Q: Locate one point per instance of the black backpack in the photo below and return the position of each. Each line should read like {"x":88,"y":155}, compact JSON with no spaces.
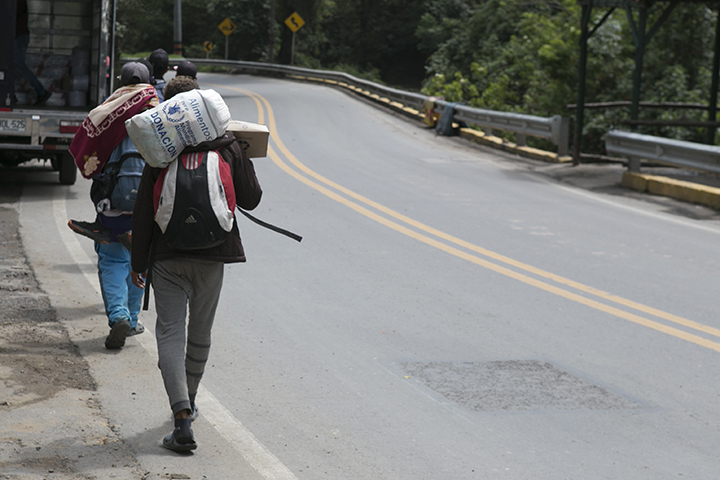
{"x":195,"y":201}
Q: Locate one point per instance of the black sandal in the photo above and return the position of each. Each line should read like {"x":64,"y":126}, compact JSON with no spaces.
{"x":181,"y":439}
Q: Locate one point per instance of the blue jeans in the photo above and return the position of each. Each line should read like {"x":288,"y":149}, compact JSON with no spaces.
{"x":21,"y":45}
{"x":122,"y":299}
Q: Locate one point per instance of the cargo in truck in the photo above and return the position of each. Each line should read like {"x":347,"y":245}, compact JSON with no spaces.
{"x":71,"y":54}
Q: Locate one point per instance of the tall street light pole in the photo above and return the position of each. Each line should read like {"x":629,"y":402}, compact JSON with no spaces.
{"x":177,"y":30}
{"x":271,"y":49}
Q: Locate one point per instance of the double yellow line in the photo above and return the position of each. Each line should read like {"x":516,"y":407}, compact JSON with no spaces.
{"x":356,"y":202}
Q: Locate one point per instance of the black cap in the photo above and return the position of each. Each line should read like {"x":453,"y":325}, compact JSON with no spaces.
{"x":187,"y":69}
{"x":159,"y":60}
{"x":133,"y":73}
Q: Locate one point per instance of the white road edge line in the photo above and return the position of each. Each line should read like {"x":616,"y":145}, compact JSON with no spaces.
{"x":668,"y":217}
{"x":229,"y":427}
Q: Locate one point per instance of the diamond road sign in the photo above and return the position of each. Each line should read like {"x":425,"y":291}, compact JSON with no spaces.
{"x":294,"y":22}
{"x":227,"y":27}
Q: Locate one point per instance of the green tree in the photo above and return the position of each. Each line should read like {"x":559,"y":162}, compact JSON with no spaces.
{"x":374,"y":35}
{"x":144,"y":25}
{"x":309,"y":11}
{"x":141,"y":26}
{"x":508,"y":55}
{"x":523,"y":56}
{"x":251,"y":38}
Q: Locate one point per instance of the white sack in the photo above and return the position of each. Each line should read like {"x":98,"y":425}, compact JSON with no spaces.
{"x":187,"y":119}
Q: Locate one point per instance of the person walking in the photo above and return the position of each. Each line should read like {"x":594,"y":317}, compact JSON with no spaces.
{"x":187,"y":283}
{"x":186,"y":69}
{"x":122,"y":299}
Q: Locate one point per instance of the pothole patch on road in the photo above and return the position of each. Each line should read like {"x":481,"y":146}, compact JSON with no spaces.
{"x":514,"y":385}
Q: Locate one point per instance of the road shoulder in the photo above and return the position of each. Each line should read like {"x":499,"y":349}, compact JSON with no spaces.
{"x":51,"y":419}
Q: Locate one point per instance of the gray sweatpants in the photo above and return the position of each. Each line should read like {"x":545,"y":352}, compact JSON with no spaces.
{"x":177,"y":284}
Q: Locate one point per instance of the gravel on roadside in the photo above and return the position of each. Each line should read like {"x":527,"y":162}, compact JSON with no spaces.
{"x":51,"y":421}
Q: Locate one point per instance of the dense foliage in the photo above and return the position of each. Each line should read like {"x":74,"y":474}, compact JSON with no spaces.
{"x":508,"y":55}
{"x":522,"y":56}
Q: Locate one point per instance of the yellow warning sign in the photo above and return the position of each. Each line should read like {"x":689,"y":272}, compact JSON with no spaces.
{"x":227,"y":26}
{"x":294,"y":22}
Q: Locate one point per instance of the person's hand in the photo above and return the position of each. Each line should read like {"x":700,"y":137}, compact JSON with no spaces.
{"x":138,"y":279}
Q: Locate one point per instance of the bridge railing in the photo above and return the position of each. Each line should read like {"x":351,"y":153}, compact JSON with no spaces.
{"x":665,"y":151}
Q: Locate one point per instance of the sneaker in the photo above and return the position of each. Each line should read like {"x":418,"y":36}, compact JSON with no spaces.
{"x":43,"y":98}
{"x":117,"y":336}
{"x":181,"y":439}
{"x":125,"y":240}
{"x":95,"y":231}
{"x":136,"y":330}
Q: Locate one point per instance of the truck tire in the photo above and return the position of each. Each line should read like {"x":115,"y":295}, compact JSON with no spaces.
{"x":68,"y":170}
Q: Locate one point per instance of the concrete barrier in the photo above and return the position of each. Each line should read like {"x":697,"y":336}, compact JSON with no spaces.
{"x":670,"y":187}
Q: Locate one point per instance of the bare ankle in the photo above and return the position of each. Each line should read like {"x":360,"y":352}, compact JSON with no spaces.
{"x":182,"y":414}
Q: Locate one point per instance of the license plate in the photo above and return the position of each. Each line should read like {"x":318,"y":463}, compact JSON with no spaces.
{"x":12,"y":124}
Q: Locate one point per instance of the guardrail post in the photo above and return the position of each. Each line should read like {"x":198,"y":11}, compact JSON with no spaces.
{"x":676,"y":153}
{"x":520,"y":139}
{"x":488,"y":131}
{"x":633,"y":164}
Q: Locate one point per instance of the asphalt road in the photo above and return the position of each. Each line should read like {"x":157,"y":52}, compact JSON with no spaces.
{"x":449,"y":314}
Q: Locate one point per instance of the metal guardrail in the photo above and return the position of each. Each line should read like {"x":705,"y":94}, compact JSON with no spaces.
{"x":555,"y":129}
{"x":676,"y":153}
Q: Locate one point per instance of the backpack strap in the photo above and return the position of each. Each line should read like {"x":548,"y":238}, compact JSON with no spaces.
{"x":279,"y":230}
{"x":151,"y":261}
{"x":282,"y":231}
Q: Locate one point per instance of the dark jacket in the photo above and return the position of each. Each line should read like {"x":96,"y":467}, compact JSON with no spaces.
{"x":247,"y":196}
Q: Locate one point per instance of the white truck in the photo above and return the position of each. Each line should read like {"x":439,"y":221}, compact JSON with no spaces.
{"x":71,"y":52}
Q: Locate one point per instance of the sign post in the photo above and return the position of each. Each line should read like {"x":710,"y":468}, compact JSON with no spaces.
{"x":227,"y":27}
{"x":294,"y":22}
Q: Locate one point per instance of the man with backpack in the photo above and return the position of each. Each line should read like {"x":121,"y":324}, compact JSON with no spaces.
{"x":188,"y":280}
{"x":114,"y":188}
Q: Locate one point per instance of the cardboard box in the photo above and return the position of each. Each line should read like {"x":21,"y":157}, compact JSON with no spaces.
{"x":252,"y":136}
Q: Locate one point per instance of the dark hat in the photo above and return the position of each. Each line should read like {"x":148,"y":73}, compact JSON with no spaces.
{"x":159,"y":60}
{"x":187,"y":69}
{"x":134,"y":72}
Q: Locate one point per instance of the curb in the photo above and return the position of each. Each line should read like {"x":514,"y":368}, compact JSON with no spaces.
{"x":497,"y":142}
{"x":669,"y":187}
